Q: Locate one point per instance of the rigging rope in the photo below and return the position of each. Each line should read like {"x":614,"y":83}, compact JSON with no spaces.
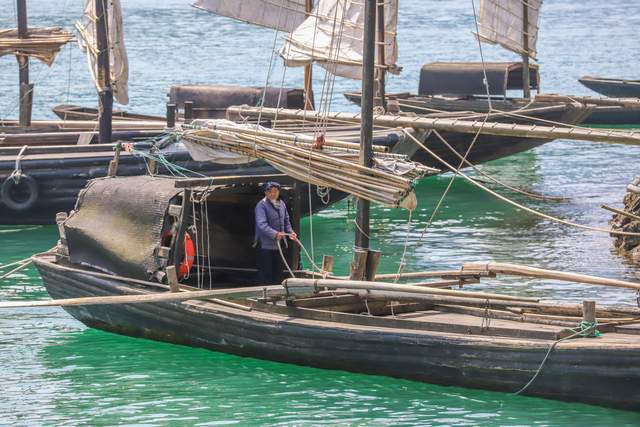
{"x":516,"y":204}
{"x":455,"y":171}
{"x":495,"y":180}
{"x":585,"y":328}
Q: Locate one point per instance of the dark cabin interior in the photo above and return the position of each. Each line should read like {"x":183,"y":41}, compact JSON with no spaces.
{"x":220,"y":222}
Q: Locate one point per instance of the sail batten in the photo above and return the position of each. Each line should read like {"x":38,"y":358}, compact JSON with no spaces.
{"x":332,"y":37}
{"x":282,"y":15}
{"x":119,"y":62}
{"x":501,"y":22}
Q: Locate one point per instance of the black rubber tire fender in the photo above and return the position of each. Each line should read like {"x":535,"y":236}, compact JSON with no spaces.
{"x":7,"y":198}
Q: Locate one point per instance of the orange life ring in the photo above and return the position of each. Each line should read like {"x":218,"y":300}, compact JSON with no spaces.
{"x":189,"y":257}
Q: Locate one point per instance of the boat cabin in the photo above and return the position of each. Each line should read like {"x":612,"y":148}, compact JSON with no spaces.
{"x":465,"y":79}
{"x":212,"y":101}
{"x":139,"y":226}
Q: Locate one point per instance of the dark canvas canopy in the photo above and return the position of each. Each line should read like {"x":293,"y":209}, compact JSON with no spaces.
{"x":465,"y":78}
{"x":212,"y":101}
{"x":117,"y":224}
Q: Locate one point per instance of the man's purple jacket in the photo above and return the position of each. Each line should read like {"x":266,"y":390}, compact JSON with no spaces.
{"x":270,"y":220}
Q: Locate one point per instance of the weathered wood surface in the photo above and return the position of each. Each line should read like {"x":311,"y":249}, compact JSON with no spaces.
{"x":603,"y":370}
{"x":526,"y":271}
{"x":291,"y":284}
{"x":124,"y":299}
{"x":620,"y":212}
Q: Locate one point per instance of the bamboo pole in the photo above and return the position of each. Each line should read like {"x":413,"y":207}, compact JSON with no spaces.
{"x":290,"y":136}
{"x":457,"y":125}
{"x":521,"y":270}
{"x":381,"y":286}
{"x":15,"y":270}
{"x":120,"y":299}
{"x":620,"y":212}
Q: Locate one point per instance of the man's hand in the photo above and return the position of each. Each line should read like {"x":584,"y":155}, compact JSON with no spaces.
{"x":279,"y":235}
{"x":293,"y":236}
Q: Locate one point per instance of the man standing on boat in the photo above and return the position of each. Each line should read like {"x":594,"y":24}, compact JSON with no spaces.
{"x":272,"y":228}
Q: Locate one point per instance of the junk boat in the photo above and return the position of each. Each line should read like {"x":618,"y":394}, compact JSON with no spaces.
{"x":456,"y":89}
{"x":615,"y":88}
{"x":116,"y":266}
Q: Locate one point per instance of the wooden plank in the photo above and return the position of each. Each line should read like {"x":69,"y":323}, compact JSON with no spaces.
{"x":172,"y":278}
{"x":358,"y":265}
{"x":398,"y":323}
{"x":620,"y":212}
{"x":327,"y":263}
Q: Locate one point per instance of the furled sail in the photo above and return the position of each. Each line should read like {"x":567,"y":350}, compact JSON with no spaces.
{"x":332,"y":36}
{"x":283,"y":15}
{"x":40,"y":43}
{"x":501,"y":22}
{"x":117,"y":51}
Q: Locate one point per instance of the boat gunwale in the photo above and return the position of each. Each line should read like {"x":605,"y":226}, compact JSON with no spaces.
{"x":359,"y":323}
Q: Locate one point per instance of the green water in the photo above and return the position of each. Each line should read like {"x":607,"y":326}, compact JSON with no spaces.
{"x":54,"y":371}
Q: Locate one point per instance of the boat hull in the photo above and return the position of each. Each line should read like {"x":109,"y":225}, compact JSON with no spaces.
{"x":590,"y":373}
{"x":613,"y":88}
{"x":486,"y":147}
{"x":597,"y":115}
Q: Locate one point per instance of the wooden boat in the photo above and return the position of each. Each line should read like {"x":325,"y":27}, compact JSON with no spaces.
{"x":458,"y":88}
{"x":506,"y":110}
{"x":76,"y":112}
{"x":204,"y":102}
{"x":423,"y":332}
{"x":616,"y":88}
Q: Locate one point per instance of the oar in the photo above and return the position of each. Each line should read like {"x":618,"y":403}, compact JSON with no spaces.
{"x":526,"y":271}
{"x":137,"y":299}
{"x":25,"y":264}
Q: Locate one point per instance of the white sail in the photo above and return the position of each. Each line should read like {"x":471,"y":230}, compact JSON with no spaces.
{"x":283,"y":15}
{"x":117,"y":50}
{"x":332,"y":36}
{"x":501,"y":22}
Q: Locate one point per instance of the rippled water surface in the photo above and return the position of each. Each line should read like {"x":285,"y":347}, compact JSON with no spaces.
{"x":56,"y":371}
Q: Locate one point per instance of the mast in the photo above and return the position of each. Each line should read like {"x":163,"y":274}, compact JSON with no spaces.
{"x":366,"y":112}
{"x":381,"y":56}
{"x":526,"y":89}
{"x":103,"y":72}
{"x":308,"y":69}
{"x":23,"y":64}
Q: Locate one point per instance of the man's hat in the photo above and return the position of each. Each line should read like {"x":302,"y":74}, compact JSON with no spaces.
{"x":269,"y":185}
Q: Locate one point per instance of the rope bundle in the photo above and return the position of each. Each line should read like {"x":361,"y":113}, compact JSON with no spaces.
{"x":40,"y":43}
{"x":389,"y":182}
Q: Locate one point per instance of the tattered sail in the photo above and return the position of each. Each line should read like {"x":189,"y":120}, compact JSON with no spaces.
{"x":283,"y":15}
{"x":117,"y":50}
{"x":501,"y":22}
{"x":40,"y":43}
{"x":332,"y":36}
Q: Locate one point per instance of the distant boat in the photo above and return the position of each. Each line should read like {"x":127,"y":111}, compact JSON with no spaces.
{"x":617,"y":88}
{"x":76,"y":112}
{"x":457,"y":87}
